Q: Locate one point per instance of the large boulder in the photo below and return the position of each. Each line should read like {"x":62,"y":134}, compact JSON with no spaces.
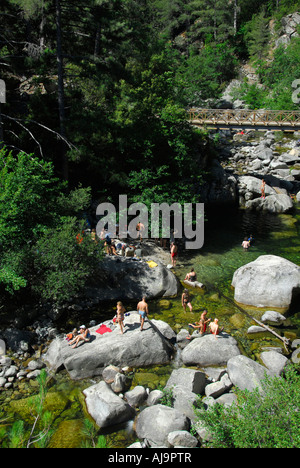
{"x":123,"y":279}
{"x":156,"y":422}
{"x":210,"y":351}
{"x":190,"y":379}
{"x":245,"y":373}
{"x":269,"y":281}
{"x":274,"y":361}
{"x":134,"y":348}
{"x":253,"y":185}
{"x":276,"y":203}
{"x":105,"y":407}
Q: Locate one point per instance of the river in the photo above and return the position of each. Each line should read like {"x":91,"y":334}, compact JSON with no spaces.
{"x":214,"y":264}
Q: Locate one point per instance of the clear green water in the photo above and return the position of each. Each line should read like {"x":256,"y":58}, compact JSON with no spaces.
{"x":215,"y":264}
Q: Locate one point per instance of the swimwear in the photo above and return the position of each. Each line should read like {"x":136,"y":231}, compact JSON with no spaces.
{"x":142,"y":313}
{"x":174,"y":254}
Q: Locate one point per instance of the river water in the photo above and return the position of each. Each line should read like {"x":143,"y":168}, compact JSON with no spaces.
{"x":214,"y":264}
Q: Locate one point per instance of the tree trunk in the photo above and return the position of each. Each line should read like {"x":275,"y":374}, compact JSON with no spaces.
{"x":61,"y":94}
{"x":1,"y":130}
{"x":235,"y":16}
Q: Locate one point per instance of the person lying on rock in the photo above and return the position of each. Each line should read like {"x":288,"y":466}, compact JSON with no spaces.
{"x":83,"y":336}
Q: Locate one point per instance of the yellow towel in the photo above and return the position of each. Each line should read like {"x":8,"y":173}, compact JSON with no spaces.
{"x":151,"y":264}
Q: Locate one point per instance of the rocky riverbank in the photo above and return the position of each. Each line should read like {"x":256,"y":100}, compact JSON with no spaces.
{"x":243,"y":160}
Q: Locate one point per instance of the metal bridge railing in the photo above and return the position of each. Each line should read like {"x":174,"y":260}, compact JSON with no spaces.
{"x":243,"y":117}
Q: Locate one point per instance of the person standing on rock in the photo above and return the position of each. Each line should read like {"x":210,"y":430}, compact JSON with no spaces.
{"x":262,"y":188}
{"x":142,"y":309}
{"x":120,"y":316}
{"x":174,"y":253}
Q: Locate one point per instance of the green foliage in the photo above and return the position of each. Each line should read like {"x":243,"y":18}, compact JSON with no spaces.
{"x":257,"y":35}
{"x":38,"y":229}
{"x":259,"y":419}
{"x":167,"y":398}
{"x":206,"y":73}
{"x":90,"y":434}
{"x":62,"y":265}
{"x":19,"y":435}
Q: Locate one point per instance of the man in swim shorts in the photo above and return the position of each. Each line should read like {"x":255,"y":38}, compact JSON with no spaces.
{"x":174,"y":253}
{"x":142,"y":309}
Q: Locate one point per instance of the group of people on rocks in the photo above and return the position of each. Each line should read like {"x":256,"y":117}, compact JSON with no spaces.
{"x":201,"y":326}
{"x":142,"y":309}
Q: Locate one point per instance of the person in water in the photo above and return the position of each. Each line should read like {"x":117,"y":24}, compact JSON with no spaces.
{"x":142,"y":309}
{"x":83,"y":336}
{"x":186,"y":300}
{"x":246,"y":243}
{"x":191,"y":276}
{"x":120,"y":316}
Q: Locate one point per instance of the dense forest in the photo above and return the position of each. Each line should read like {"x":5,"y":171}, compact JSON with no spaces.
{"x":96,"y":100}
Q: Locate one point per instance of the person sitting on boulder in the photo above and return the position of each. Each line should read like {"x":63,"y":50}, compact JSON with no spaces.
{"x":214,"y":327}
{"x":191,"y":276}
{"x":83,"y":336}
{"x":201,"y":325}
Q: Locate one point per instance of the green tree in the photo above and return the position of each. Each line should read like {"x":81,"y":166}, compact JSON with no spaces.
{"x":39,"y":221}
{"x":257,"y":35}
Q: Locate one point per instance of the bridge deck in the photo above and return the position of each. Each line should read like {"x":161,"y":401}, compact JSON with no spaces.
{"x":245,"y":119}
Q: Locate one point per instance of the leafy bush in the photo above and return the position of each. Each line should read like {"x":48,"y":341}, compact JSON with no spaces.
{"x":267,"y":419}
{"x":39,"y":222}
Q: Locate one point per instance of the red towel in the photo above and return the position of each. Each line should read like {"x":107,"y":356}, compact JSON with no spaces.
{"x":103,"y":329}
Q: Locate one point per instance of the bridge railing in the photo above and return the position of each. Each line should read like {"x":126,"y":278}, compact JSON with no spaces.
{"x":244,"y":117}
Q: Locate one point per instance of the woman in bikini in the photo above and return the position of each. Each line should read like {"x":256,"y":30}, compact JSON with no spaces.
{"x":120,"y":316}
{"x":83,"y":336}
{"x":186,"y":300}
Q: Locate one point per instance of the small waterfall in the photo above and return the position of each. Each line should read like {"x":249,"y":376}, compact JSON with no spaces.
{"x":177,"y":362}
